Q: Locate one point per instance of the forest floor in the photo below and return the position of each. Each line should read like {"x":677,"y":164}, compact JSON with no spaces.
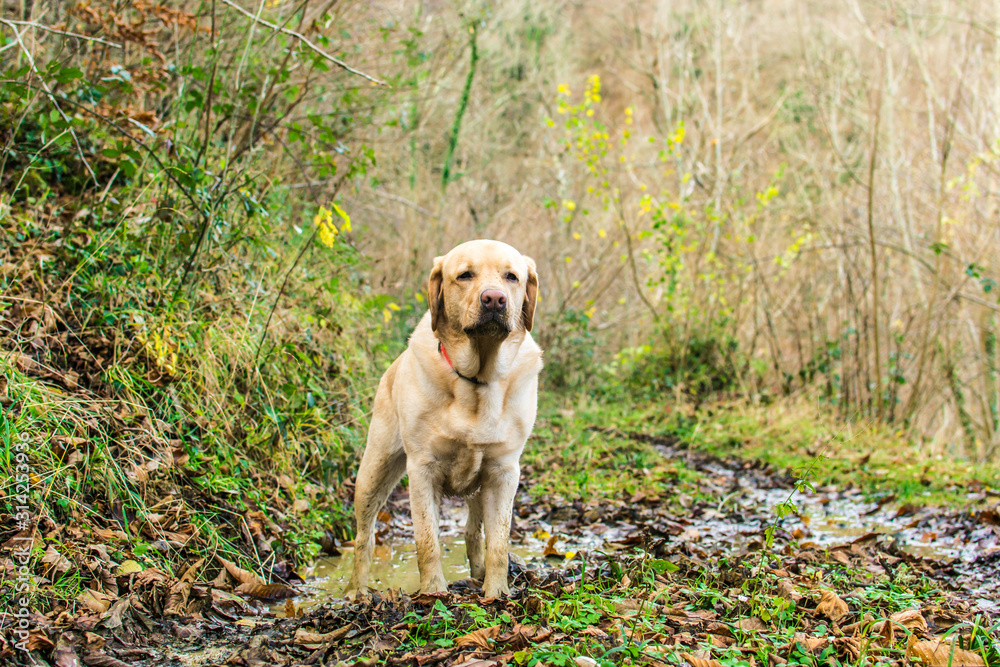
{"x":630,"y":547}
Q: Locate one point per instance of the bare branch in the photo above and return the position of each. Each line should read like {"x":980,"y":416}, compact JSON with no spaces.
{"x":305,"y":40}
{"x":11,"y":23}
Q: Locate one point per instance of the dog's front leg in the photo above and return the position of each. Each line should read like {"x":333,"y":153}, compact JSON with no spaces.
{"x":425,"y":500}
{"x":498,"y":505}
{"x":474,"y":536}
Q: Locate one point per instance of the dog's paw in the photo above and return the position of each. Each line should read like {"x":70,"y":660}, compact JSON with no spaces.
{"x":496,"y":590}
{"x":353,"y":593}
{"x":436,"y":585}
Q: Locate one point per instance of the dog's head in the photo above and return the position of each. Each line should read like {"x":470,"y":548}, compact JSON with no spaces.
{"x":483,"y":288}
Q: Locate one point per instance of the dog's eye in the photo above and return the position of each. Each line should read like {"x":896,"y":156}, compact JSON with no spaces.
{"x":465,"y":276}
{"x":511,"y":278}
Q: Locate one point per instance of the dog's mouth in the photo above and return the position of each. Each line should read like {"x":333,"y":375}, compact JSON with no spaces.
{"x":491,"y":324}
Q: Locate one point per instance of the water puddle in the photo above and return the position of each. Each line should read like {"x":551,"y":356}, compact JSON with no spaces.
{"x":746,"y":506}
{"x":394,"y":564}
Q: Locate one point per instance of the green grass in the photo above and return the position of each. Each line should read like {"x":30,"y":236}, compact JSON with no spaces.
{"x":796,"y":436}
{"x":630,"y":609}
{"x":579,"y":451}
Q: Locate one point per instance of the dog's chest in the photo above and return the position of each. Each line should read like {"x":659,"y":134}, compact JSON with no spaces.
{"x":484,"y":424}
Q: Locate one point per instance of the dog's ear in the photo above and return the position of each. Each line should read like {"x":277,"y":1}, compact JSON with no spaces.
{"x":530,"y":296}
{"x":435,"y":294}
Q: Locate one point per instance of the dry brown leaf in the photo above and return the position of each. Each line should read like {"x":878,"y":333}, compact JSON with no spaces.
{"x":831,"y":606}
{"x":911,"y":619}
{"x":786,"y":589}
{"x":941,"y":653}
{"x":313,"y":640}
{"x":267,"y":592}
{"x":192,"y":572}
{"x":479,"y":638}
{"x":64,"y":655}
{"x":112,"y":618}
{"x":59,"y":563}
{"x":102,"y":659}
{"x":95,"y":601}
{"x":239,"y":574}
{"x":812,"y":644}
{"x":700,"y":662}
{"x":751,"y":624}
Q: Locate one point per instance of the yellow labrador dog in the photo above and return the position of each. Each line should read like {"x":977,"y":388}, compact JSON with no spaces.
{"x":453,"y":412}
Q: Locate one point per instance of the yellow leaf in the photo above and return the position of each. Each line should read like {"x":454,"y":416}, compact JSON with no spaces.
{"x":386,"y":315}
{"x":346,"y":227}
{"x":392,"y":306}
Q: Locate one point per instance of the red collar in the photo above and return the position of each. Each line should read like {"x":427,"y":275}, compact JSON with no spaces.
{"x":444,"y":354}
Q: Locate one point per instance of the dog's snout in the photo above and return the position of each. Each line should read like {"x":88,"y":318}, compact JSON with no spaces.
{"x":493,"y":299}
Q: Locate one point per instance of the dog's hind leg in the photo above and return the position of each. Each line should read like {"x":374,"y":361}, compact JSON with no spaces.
{"x":382,"y":466}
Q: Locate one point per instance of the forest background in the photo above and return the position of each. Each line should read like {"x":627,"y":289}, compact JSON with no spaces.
{"x":218,"y":218}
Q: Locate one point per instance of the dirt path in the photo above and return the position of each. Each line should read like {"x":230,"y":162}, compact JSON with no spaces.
{"x":610,"y":579}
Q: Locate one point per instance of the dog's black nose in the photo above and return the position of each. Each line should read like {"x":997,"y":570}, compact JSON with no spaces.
{"x":493,"y":299}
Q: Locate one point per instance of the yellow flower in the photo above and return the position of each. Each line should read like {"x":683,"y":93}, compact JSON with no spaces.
{"x":392,"y":306}
{"x":327,"y":232}
{"x":576,"y":235}
{"x":601,"y":233}
{"x":568,"y":259}
{"x":569,"y":204}
{"x":563,"y":89}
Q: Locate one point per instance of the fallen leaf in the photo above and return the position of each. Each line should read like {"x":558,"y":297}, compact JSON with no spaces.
{"x":911,"y":619}
{"x":941,"y":653}
{"x":751,"y":624}
{"x":700,"y":662}
{"x":59,"y":563}
{"x":95,"y":601}
{"x":128,"y":567}
{"x":831,"y":606}
{"x":239,"y":574}
{"x":479,"y":638}
{"x":313,"y":640}
{"x":64,"y":654}
{"x":812,"y":644}
{"x":268,"y":592}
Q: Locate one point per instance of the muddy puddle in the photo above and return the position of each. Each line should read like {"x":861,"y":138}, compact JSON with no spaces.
{"x":395,"y":559}
{"x":744,"y":509}
{"x":741,"y":507}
